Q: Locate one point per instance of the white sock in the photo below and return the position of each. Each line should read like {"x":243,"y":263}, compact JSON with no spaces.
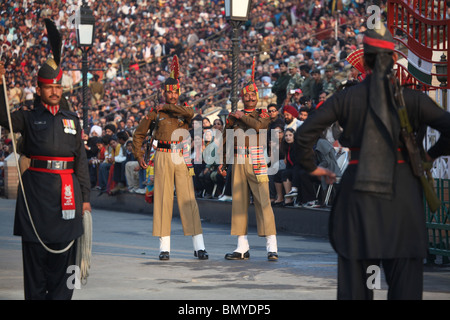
{"x":271,"y":243}
{"x":243,"y":245}
{"x":164,"y":244}
{"x":198,"y":243}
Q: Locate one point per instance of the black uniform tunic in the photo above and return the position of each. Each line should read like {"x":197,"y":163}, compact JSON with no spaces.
{"x":44,"y":136}
{"x":364,"y":226}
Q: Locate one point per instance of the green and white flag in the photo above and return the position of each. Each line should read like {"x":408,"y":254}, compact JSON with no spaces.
{"x":419,"y":68}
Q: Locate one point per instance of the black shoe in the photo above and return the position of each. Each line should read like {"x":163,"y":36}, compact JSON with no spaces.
{"x":201,"y":254}
{"x":237,"y":256}
{"x":289,"y":204}
{"x":272,"y":256}
{"x":277,"y":204}
{"x":164,"y":255}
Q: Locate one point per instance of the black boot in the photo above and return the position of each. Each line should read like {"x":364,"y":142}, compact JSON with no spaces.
{"x":237,"y":256}
{"x":201,"y":254}
{"x":164,"y":255}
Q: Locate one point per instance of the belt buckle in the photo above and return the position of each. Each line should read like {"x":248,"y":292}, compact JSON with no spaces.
{"x":55,"y":164}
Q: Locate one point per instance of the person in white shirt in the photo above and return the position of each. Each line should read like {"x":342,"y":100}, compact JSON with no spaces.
{"x":117,"y":143}
{"x":29,"y":92}
{"x":67,"y":81}
{"x":111,"y":72}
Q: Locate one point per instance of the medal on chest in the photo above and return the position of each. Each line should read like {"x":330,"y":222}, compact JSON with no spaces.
{"x":69,"y":126}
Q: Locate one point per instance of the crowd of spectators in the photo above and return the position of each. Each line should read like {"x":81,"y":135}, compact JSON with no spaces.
{"x":298,"y":44}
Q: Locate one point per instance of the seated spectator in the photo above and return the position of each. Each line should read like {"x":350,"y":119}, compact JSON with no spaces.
{"x":276,"y":119}
{"x":199,"y":165}
{"x":4,"y":152}
{"x":291,"y":118}
{"x":210,"y":176}
{"x":93,"y":162}
{"x":206,"y":123}
{"x":108,"y":160}
{"x":296,"y":181}
{"x":303,"y":114}
{"x":326,"y":157}
{"x":218,"y":124}
{"x":227,"y":191}
{"x":92,"y":153}
{"x":289,"y":176}
{"x":275,"y":180}
{"x":134,"y":174}
{"x":118,"y":144}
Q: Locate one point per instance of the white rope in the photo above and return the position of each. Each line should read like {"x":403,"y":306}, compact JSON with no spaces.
{"x":84,"y":248}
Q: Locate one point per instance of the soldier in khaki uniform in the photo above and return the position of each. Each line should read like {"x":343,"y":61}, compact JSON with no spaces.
{"x":172,"y":168}
{"x":250,"y":171}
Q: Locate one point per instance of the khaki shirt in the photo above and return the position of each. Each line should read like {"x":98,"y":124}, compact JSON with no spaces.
{"x":169,"y":119}
{"x":257,"y":119}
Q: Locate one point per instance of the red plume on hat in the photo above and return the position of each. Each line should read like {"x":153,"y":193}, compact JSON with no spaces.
{"x":253,"y":69}
{"x":251,"y":86}
{"x":173,"y":82}
{"x":175,"y":68}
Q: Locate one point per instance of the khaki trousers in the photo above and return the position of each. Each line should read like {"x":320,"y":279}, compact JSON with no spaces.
{"x":243,"y":177}
{"x":170,"y":173}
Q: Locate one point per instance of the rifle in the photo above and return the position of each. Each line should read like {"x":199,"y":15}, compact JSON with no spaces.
{"x":151,"y":132}
{"x":420,"y":167}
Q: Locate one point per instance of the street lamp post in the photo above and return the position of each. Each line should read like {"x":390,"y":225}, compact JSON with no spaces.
{"x":235,"y":61}
{"x":441,"y":70}
{"x":236,"y":11}
{"x":85,"y":25}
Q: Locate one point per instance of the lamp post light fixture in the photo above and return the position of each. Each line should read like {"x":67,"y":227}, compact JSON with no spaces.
{"x":223,"y":114}
{"x":85,"y":24}
{"x":85,"y":27}
{"x":237,"y":12}
{"x":441,"y":71}
{"x":237,"y":9}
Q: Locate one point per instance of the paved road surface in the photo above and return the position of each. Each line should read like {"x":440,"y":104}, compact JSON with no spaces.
{"x":125,"y":265}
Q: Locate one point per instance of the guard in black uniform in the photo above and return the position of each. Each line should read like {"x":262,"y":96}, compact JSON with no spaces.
{"x":56,"y":184}
{"x":378,"y":217}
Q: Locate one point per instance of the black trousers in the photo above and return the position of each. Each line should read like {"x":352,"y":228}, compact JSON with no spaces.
{"x":404,"y":278}
{"x":45,"y":273}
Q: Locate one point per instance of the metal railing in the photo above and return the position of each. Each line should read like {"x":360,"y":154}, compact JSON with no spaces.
{"x":438,"y":224}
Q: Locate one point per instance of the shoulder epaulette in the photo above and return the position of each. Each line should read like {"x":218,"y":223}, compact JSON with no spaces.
{"x":263,"y":113}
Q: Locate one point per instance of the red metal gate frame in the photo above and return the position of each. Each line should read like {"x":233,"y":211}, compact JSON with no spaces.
{"x":424,"y":20}
{"x":426,"y":28}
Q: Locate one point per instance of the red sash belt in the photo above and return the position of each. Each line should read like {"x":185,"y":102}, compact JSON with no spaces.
{"x":169,"y":146}
{"x":355,"y":154}
{"x":67,"y":191}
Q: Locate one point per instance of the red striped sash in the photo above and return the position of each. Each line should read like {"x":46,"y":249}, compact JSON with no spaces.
{"x":67,"y":191}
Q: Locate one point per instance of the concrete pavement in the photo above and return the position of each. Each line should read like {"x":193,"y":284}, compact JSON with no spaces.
{"x":125,"y":265}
